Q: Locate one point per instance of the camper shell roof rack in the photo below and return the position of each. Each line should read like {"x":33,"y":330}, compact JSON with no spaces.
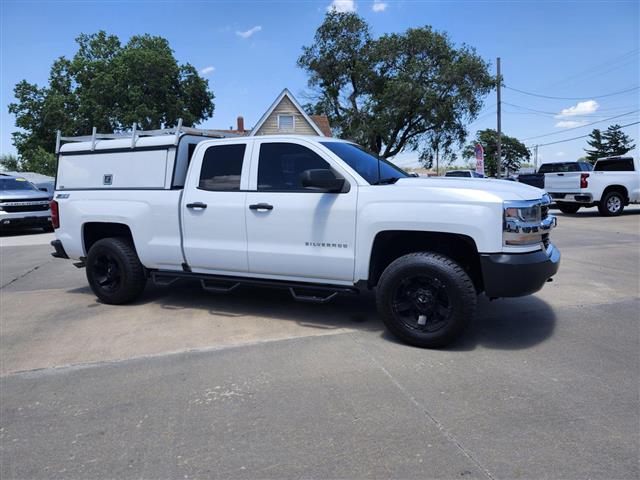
{"x":135,"y":134}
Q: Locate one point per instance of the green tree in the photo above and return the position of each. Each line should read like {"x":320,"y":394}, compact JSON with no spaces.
{"x":110,"y":86}
{"x":394,"y":92}
{"x":598,"y":146}
{"x":616,"y":141}
{"x":38,"y":160}
{"x":514,"y":152}
{"x":9,"y":162}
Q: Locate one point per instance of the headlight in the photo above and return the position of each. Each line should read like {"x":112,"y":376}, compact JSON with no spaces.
{"x":526,"y":223}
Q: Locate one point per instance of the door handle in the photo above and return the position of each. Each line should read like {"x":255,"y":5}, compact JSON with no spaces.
{"x":561,"y":174}
{"x":261,"y":206}
{"x":197,"y":205}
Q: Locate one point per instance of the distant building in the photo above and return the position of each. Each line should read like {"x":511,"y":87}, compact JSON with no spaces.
{"x":285,"y":115}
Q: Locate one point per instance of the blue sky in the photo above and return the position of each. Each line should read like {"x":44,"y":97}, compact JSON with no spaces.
{"x":248,"y":49}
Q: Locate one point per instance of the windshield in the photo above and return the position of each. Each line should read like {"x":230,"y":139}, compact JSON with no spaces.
{"x":15,"y":184}
{"x":373,"y":169}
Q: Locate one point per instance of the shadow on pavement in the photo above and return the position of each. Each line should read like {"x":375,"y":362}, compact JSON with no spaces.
{"x":505,"y":324}
{"x":509,"y":324}
{"x":357,"y":311}
{"x":4,"y":232}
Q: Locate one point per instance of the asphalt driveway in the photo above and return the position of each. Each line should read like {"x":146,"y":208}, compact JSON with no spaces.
{"x":186,"y":384}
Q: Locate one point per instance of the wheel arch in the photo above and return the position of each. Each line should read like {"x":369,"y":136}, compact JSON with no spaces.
{"x":617,"y":188}
{"x":390,"y":245}
{"x":94,"y":231}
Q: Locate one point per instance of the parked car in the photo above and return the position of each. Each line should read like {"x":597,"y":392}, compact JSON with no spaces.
{"x":22,"y":204}
{"x":315,"y":215}
{"x":537,"y":179}
{"x":613,"y":184}
{"x":463,"y":174}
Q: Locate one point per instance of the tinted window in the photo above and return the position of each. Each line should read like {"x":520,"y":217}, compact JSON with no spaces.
{"x":366,"y":164}
{"x":560,"y":167}
{"x":15,"y":184}
{"x":221,"y":167}
{"x":585,"y":167}
{"x":615,"y":165}
{"x":457,"y":174}
{"x":281,"y":164}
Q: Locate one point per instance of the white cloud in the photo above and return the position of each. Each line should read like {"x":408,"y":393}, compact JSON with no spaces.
{"x":207,"y":70}
{"x":569,"y":124}
{"x":581,"y":108}
{"x":379,"y":6}
{"x":342,"y":6}
{"x":560,"y":154}
{"x":249,"y":32}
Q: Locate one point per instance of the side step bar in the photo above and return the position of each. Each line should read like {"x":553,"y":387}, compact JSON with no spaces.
{"x":300,"y":291}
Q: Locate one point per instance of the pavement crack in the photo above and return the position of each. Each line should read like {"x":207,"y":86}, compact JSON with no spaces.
{"x":441,"y":428}
{"x":24,"y":274}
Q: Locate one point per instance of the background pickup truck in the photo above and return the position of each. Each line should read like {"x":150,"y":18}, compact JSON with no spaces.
{"x":537,"y":179}
{"x":315,"y":215}
{"x":613,"y":184}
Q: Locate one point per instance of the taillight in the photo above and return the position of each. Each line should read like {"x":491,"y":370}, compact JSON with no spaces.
{"x":55,"y":215}
{"x":583,"y":180}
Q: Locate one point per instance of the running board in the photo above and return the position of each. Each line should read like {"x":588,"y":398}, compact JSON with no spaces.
{"x":300,"y":291}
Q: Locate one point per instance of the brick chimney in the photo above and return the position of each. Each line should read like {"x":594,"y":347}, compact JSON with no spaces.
{"x":240,"y":123}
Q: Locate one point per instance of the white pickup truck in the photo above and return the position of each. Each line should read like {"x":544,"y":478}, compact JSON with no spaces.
{"x":316,"y":215}
{"x":613,"y":184}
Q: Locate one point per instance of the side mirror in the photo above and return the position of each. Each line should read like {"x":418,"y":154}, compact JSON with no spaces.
{"x":43,"y":189}
{"x":322,"y":179}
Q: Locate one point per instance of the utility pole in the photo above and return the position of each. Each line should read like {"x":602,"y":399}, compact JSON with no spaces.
{"x":535,"y":158}
{"x":499,"y":142}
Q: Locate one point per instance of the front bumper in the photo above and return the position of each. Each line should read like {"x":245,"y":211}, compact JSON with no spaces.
{"x":25,"y":219}
{"x":518,"y":274}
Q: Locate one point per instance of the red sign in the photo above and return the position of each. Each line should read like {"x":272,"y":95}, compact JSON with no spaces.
{"x":479,"y":151}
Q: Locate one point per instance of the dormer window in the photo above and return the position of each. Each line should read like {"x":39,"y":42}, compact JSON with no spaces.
{"x":286,"y":123}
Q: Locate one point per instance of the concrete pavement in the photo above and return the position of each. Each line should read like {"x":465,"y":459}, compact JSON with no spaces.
{"x":253,"y":385}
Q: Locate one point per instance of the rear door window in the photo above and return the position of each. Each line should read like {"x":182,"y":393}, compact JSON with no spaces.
{"x":615,"y":165}
{"x":222,"y":167}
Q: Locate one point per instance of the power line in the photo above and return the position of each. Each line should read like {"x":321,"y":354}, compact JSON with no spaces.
{"x":573,"y":98}
{"x":558,"y":114}
{"x":581,"y":126}
{"x":581,"y":136}
{"x":601,"y":68}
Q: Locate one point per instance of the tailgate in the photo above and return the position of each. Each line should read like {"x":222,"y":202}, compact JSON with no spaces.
{"x":562,"y":182}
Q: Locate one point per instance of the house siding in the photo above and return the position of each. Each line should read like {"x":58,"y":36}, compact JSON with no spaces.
{"x":286,"y":107}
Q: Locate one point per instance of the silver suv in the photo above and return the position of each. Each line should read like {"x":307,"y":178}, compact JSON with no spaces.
{"x":22,"y":204}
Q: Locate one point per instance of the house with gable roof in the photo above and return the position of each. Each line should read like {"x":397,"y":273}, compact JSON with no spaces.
{"x":286,"y":115}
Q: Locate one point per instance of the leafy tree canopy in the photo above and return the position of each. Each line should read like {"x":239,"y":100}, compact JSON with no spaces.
{"x":514,"y":152}
{"x":612,"y":142}
{"x":396,"y":92}
{"x":9,"y":162}
{"x":110,"y":86}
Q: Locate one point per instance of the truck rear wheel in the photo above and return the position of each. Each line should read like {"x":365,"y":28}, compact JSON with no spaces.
{"x":426,"y":299}
{"x":611,"y":204}
{"x":114,"y":271}
{"x":569,"y":208}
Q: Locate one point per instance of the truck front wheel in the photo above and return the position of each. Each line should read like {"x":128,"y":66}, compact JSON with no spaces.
{"x":611,"y":204}
{"x":426,"y":299}
{"x":114,"y":271}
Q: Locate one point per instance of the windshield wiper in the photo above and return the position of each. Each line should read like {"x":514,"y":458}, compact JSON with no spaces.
{"x":386,"y":181}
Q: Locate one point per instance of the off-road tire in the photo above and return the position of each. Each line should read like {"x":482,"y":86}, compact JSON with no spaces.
{"x":568,"y":208}
{"x":453,"y":278}
{"x":132,"y":278}
{"x":608,"y":201}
